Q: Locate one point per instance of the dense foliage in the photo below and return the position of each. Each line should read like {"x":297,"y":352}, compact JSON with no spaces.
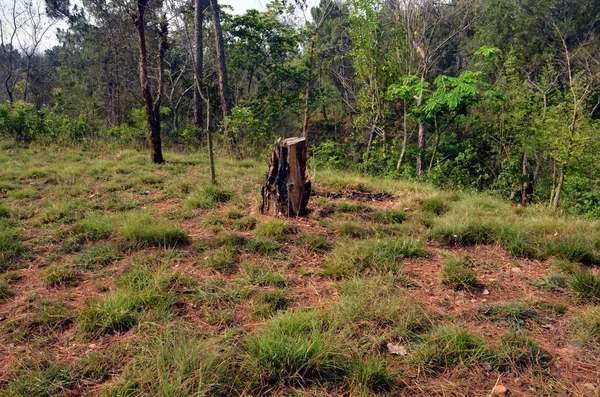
{"x":460,"y":93}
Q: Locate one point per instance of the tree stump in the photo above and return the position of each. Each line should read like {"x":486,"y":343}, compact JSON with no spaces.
{"x":286,"y":190}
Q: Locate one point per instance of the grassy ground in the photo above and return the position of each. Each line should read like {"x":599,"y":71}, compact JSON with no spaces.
{"x":121,"y":278}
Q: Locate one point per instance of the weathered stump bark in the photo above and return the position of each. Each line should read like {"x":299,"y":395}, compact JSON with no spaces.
{"x":286,"y":190}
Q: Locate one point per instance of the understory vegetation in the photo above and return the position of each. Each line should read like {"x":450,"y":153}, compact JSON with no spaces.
{"x":122,"y":278}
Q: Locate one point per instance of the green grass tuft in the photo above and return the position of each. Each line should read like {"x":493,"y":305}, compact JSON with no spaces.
{"x":97,"y":256}
{"x":447,"y":347}
{"x":135,"y":293}
{"x":6,"y":279}
{"x":352,"y":230}
{"x":351,"y":207}
{"x":516,"y":314}
{"x":267,"y":303}
{"x":373,"y":255}
{"x":96,"y":226}
{"x":60,"y":275}
{"x":275,"y":228}
{"x":263,"y":247}
{"x":223,"y":260}
{"x":315,"y":243}
{"x":586,"y":323}
{"x":146,"y":230}
{"x":174,"y":361}
{"x":519,"y":351}
{"x":436,"y":206}
{"x":5,"y":211}
{"x":586,"y":286}
{"x":209,"y":197}
{"x":390,"y":216}
{"x":296,"y":347}
{"x":261,"y":277}
{"x":245,"y":223}
{"x":10,"y":247}
{"x":458,"y":274}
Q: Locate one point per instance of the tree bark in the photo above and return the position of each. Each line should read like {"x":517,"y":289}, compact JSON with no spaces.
{"x":286,"y":190}
{"x":198,"y":61}
{"x":153,"y":117}
{"x":222,"y":70}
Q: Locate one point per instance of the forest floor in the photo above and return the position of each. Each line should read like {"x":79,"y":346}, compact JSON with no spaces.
{"x":123,"y":278}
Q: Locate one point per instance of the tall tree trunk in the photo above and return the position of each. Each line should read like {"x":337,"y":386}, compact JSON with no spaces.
{"x":198,"y":60}
{"x":422,"y":139}
{"x":307,"y":88}
{"x":222,"y":70}
{"x":153,"y":117}
{"x":559,"y":186}
{"x":211,"y":158}
{"x":404,"y":139}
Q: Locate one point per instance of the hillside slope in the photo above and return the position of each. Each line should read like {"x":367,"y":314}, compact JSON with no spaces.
{"x":121,"y":278}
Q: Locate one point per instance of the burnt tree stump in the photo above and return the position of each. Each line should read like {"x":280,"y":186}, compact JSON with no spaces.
{"x":286,"y":190}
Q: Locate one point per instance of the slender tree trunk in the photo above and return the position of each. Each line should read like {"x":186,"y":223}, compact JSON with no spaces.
{"x":422,"y":140}
{"x":404,"y":139}
{"x":152,"y":117}
{"x":222,"y":70}
{"x":307,"y":88}
{"x":435,"y":149}
{"x":198,"y":60}
{"x":211,"y":158}
{"x":368,"y":153}
{"x":524,"y":171}
{"x":559,"y":186}
{"x":27,"y":73}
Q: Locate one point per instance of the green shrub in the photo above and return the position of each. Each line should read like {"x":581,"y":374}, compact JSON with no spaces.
{"x":373,"y":255}
{"x":458,"y":274}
